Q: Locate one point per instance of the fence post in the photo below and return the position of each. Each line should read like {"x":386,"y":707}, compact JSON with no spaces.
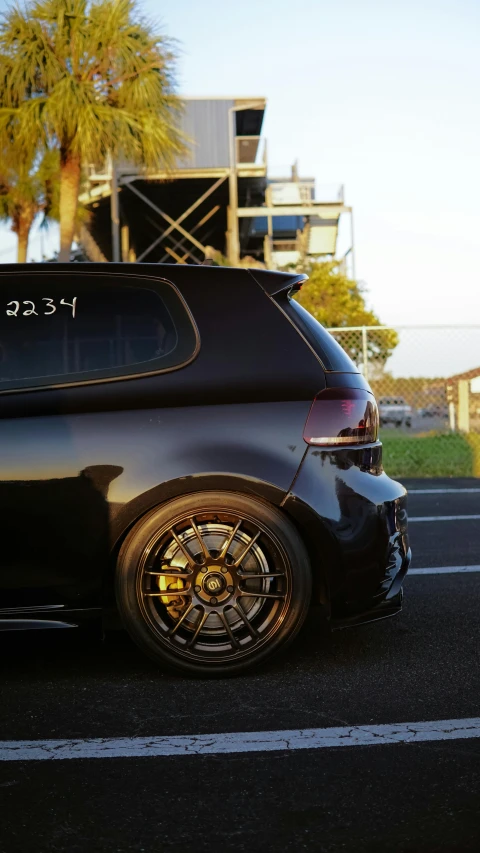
{"x":365,"y":351}
{"x":463,"y":405}
{"x":451,"y":415}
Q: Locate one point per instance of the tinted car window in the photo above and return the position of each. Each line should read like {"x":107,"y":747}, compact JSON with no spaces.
{"x":330,"y":353}
{"x":56,"y":330}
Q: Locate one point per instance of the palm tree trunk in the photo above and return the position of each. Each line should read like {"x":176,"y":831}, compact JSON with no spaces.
{"x":22,"y":246}
{"x":21,"y":227}
{"x":69,"y":186}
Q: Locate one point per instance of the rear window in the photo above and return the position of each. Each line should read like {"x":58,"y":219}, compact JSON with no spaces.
{"x":57,"y":329}
{"x":329,"y":351}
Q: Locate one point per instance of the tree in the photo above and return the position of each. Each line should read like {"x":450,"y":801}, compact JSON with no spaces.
{"x":337,"y":301}
{"x":27,"y":188}
{"x":92,"y":79}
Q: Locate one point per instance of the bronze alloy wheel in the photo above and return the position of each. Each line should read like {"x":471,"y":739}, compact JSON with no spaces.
{"x":212,"y":582}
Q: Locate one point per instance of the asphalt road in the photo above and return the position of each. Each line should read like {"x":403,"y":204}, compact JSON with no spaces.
{"x":420,"y":666}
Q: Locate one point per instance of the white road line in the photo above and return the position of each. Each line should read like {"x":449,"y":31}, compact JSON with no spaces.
{"x":443,"y":518}
{"x":444,"y":570}
{"x":220,"y":744}
{"x":444,"y":491}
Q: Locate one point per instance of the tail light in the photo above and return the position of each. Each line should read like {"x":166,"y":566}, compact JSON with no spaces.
{"x":342,"y":416}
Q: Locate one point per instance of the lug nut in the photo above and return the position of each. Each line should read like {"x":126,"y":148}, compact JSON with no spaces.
{"x":229,"y":588}
{"x":213,"y":601}
{"x":198,"y":588}
{"x":204,"y":569}
{"x":224,"y":570}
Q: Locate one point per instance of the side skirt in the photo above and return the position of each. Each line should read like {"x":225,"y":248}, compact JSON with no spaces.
{"x":35,"y":620}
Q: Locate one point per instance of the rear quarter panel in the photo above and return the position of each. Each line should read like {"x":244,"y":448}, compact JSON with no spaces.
{"x":72,"y":485}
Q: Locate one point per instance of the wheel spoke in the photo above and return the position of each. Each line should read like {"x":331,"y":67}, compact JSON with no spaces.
{"x":278,"y":595}
{"x":238,"y":610}
{"x":164,"y":574}
{"x":224,"y":551}
{"x":182,"y":618}
{"x":206,"y":553}
{"x":178,"y":592}
{"x":245,"y":576}
{"x":239,"y":560}
{"x":233,"y":639}
{"x":183,"y":548}
{"x":201,"y":623}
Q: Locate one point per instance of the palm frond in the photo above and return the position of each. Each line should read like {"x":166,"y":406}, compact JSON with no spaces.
{"x":84,"y":79}
{"x":69,"y":63}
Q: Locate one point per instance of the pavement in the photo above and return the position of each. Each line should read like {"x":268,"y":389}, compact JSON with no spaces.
{"x":418,"y":424}
{"x":408,"y":797}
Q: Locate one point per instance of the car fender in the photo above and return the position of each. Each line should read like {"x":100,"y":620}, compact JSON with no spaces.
{"x":130,"y":513}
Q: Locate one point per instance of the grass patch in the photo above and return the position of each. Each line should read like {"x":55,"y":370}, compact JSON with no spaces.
{"x":431,"y":455}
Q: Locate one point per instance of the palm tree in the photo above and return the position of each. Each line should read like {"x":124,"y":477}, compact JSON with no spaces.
{"x":27,"y":189}
{"x":92,"y":78}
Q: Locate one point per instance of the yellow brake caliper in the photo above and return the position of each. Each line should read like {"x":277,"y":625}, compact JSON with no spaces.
{"x":174,"y":604}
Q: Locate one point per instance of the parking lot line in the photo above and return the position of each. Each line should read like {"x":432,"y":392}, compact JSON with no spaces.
{"x":444,"y":570}
{"x":444,"y":491}
{"x":218,"y":744}
{"x":444,"y":518}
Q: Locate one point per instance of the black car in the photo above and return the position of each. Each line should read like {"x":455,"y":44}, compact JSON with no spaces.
{"x":187,"y":446}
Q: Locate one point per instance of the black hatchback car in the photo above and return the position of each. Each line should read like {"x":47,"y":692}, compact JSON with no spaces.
{"x":188,"y":446}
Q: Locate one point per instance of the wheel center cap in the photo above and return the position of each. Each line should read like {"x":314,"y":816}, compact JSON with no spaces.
{"x":214,"y":583}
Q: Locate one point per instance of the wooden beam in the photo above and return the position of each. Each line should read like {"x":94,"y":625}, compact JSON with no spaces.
{"x":323,"y":211}
{"x":184,"y":215}
{"x":169,"y":219}
{"x":178,"y":259}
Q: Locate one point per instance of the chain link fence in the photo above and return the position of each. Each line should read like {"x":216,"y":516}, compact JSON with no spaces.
{"x":427,"y":383}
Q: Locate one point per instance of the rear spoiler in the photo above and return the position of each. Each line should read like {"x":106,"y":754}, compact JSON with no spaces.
{"x":274,"y":283}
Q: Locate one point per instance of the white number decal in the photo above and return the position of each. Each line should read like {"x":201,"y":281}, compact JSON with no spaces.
{"x":50,"y":305}
{"x":15,"y":311}
{"x":14,"y":307}
{"x":70,"y":304}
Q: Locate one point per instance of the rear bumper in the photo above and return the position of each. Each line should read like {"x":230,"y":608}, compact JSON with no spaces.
{"x":354,"y":520}
{"x":383,"y":605}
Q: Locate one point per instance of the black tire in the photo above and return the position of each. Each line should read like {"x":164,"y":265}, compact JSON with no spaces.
{"x":196,"y":623}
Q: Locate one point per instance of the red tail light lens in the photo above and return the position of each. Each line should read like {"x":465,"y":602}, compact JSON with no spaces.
{"x":342,"y":416}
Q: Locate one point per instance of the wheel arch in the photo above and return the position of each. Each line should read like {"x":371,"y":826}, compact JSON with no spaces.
{"x":322,"y":547}
{"x":268,"y":493}
{"x":137,"y":508}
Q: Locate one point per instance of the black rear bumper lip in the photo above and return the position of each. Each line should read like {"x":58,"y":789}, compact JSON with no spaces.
{"x":397,"y":582}
{"x":381,"y":607}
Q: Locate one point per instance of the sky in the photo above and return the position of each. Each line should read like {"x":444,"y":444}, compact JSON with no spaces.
{"x":379,"y":95}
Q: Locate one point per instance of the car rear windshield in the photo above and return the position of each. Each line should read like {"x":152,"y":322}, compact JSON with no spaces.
{"x":63,"y":329}
{"x":330,"y":353}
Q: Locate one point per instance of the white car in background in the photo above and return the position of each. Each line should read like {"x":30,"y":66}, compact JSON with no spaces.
{"x":394,"y":410}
